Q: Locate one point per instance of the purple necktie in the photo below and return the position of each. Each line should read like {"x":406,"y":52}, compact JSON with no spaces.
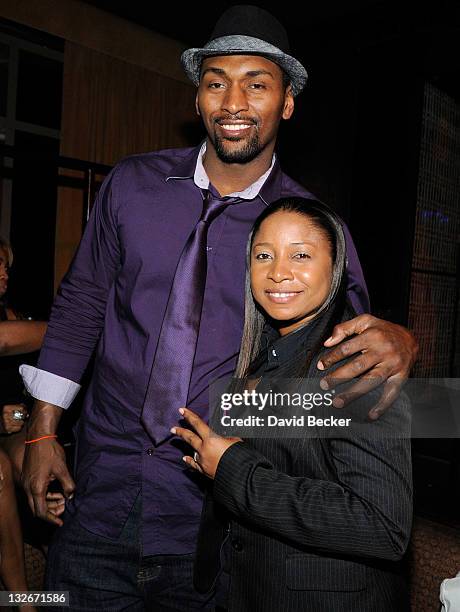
{"x":169,"y":381}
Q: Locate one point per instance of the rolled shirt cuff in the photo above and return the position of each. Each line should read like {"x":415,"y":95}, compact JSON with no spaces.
{"x":48,"y":387}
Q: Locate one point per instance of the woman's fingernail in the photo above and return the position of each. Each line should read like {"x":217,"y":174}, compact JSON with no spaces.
{"x":338,"y":402}
{"x":328,"y":340}
{"x":184,"y":458}
{"x":173,"y":430}
{"x":324,"y":384}
{"x":320,"y":365}
{"x":181,"y":410}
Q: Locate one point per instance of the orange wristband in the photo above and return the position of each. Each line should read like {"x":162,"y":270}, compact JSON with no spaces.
{"x":38,"y":439}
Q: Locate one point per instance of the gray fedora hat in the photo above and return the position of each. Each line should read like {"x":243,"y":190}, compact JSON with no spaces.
{"x":248,"y":30}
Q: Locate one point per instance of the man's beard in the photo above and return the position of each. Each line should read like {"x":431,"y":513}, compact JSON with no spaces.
{"x":247,"y":153}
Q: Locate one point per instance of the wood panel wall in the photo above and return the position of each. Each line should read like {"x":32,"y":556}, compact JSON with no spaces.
{"x":124,"y":92}
{"x":95,"y":29}
{"x":112,"y":108}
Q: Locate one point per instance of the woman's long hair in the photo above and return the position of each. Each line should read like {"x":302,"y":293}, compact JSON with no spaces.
{"x":332,"y":309}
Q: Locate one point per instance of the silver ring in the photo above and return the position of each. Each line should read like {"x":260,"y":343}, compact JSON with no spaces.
{"x":18,"y":415}
{"x":195,"y":457}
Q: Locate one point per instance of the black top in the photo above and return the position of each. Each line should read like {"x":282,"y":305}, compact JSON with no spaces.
{"x":307,"y":523}
{"x":279,"y":351}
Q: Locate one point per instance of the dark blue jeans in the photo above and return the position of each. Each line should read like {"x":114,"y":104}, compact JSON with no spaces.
{"x":105,"y":575}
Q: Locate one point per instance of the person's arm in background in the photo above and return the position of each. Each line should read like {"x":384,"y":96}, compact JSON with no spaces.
{"x":14,"y":447}
{"x":12,"y":570}
{"x":18,"y":337}
{"x":74,"y":328}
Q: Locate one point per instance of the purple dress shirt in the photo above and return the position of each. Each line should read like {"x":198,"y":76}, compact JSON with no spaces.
{"x":113,"y":299}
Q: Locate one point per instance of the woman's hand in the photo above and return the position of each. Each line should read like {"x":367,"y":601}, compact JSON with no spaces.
{"x":55,"y":503}
{"x":12,"y":418}
{"x":208,"y":446}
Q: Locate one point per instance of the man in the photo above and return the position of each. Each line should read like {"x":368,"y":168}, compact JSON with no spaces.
{"x":158,"y":279}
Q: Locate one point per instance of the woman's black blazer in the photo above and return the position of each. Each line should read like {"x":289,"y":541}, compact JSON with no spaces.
{"x":313,"y":524}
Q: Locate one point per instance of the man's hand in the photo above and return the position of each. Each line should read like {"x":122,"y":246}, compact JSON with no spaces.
{"x":44,"y":461}
{"x":208,"y":446}
{"x":10,"y":422}
{"x":384,"y":353}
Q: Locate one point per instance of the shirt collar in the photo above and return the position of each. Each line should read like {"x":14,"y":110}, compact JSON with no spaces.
{"x":267,"y":187}
{"x":202,"y":181}
{"x":185,"y":168}
{"x":282,"y":349}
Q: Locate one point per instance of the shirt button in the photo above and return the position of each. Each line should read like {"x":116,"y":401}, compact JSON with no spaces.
{"x":236,"y":545}
{"x":150,"y":452}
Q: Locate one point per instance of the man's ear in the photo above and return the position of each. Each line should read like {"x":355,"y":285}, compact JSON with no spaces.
{"x":288,"y":107}
{"x":197,"y":108}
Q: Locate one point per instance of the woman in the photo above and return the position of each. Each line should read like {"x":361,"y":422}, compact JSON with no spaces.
{"x":302,"y":523}
{"x":16,"y":337}
{"x":11,"y":387}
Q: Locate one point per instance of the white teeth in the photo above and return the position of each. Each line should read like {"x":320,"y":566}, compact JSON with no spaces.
{"x":282,"y":295}
{"x":235,"y":128}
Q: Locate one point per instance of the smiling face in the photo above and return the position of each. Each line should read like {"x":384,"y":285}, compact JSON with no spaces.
{"x":291,"y":268}
{"x":242,"y":99}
